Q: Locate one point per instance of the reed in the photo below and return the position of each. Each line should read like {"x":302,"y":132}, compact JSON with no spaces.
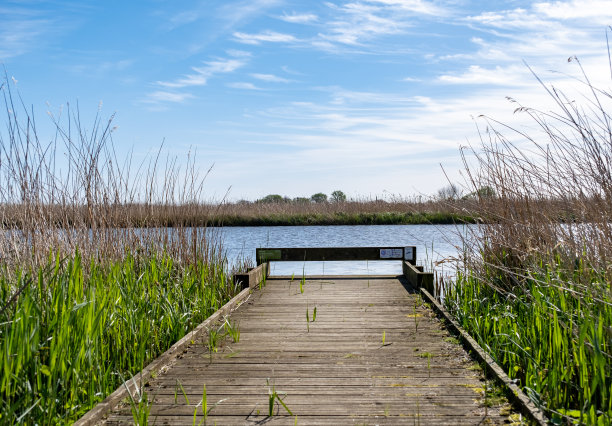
{"x":75,"y":331}
{"x":85,"y":297}
{"x":535,"y":285}
{"x":356,"y":212}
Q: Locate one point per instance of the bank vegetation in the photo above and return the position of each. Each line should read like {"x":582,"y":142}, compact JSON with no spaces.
{"x":87,"y":299}
{"x":535,"y":291}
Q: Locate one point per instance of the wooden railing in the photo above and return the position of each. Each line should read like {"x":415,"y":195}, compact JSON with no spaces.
{"x":407,"y":255}
{"x":307,"y":254}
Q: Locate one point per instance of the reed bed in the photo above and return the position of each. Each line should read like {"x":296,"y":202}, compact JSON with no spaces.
{"x":87,"y":299}
{"x":535,"y":285}
{"x":395,"y":211}
{"x":245,"y":213}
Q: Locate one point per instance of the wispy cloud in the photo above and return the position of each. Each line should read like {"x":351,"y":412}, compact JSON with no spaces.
{"x":163,"y":96}
{"x":23,"y":30}
{"x":182,"y":18}
{"x":199,"y":77}
{"x":202,"y":74}
{"x":347,"y":137}
{"x":358,"y":22}
{"x":235,"y":13}
{"x":100,"y":68}
{"x":299,"y":18}
{"x":543,"y":35}
{"x":270,"y":78}
{"x":544,"y":29}
{"x":363,"y":24}
{"x":596,"y":12}
{"x":243,"y":85}
{"x":499,"y":76}
{"x":415,"y":6}
{"x":265,"y":36}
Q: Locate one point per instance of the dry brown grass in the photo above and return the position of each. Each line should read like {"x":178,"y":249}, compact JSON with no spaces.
{"x":425,"y":206}
{"x":75,"y":192}
{"x":554,"y":189}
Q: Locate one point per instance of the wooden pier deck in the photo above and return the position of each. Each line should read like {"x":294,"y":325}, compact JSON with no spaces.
{"x":375,"y":354}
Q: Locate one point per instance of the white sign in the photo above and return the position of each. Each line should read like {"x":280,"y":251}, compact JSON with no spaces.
{"x":390,"y":253}
{"x":408,"y":253}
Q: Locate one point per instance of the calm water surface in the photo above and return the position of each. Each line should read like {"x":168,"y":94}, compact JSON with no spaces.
{"x":435,"y":244}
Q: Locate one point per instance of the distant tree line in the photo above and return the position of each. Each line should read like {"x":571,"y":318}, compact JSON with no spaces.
{"x":335,"y":197}
{"x":450,"y":192}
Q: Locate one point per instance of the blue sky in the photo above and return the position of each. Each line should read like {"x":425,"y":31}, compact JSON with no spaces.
{"x":293,"y":97}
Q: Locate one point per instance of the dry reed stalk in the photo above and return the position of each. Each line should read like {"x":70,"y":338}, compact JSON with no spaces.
{"x":92,"y":200}
{"x":553,"y":191}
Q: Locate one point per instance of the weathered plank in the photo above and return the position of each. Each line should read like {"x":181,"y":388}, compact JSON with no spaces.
{"x":335,"y":369}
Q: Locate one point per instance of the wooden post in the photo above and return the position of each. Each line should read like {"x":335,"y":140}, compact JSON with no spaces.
{"x":252,"y":278}
{"x":417,"y":278}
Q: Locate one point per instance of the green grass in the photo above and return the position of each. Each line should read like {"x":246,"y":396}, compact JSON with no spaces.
{"x":552,"y":337}
{"x":76,"y":329}
{"x":278,"y":397}
{"x":340,"y":218}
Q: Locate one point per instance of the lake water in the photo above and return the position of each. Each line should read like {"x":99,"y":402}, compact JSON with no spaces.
{"x":436,"y":245}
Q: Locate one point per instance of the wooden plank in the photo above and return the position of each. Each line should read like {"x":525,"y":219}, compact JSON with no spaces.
{"x":416,"y":418}
{"x":334,"y":370}
{"x":307,"y":254}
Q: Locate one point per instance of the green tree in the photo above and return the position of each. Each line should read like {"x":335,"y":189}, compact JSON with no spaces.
{"x":272,"y":198}
{"x":338,"y":196}
{"x":319,"y":197}
{"x":301,"y":200}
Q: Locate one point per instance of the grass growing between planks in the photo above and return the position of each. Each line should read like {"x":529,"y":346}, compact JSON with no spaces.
{"x":74,"y":331}
{"x":534,"y":291}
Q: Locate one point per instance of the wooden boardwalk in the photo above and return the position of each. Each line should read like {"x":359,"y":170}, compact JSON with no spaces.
{"x":375,"y":354}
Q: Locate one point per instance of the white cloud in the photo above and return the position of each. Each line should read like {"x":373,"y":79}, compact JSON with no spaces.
{"x":182,"y":18}
{"x":96,"y":68}
{"x":239,"y":53}
{"x":542,"y":34}
{"x":501,"y":76}
{"x":163,"y":96}
{"x":299,"y":18}
{"x":364,"y":23}
{"x":244,"y":86}
{"x":350,"y":135}
{"x":515,"y":19}
{"x":597,"y":12}
{"x":23,"y":30}
{"x":202,"y":74}
{"x":271,"y":78}
{"x":236,"y":12}
{"x":288,"y":70}
{"x":359,"y":22}
{"x":265,"y":36}
{"x":415,"y":6}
